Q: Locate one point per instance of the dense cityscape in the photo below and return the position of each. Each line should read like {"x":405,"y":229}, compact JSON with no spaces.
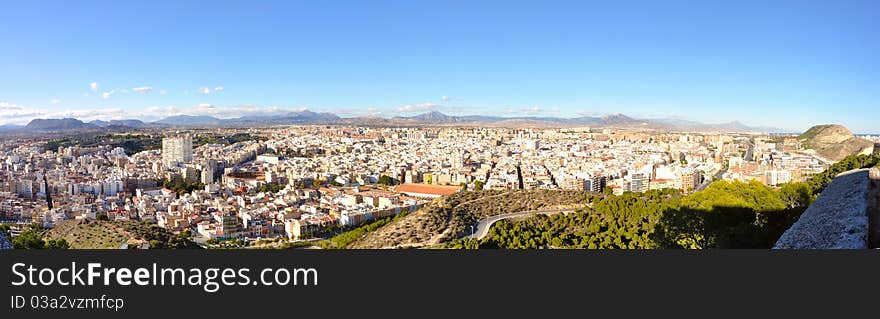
{"x":448,"y":158}
{"x":299,"y":183}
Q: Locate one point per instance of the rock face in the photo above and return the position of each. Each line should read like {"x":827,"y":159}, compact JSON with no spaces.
{"x":834,"y":142}
{"x":838,"y":219}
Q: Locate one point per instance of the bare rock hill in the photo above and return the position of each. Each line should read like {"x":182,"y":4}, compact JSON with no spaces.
{"x":834,"y":142}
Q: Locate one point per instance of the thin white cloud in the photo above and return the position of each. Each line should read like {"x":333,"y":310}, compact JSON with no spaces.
{"x":89,"y":115}
{"x":11,"y":113}
{"x":94,"y":87}
{"x":142,"y":89}
{"x":205,"y":90}
{"x":418,"y":107}
{"x":163,"y":92}
{"x":17,"y":114}
{"x":371,"y":111}
{"x":158,"y":112}
{"x":235,"y":111}
{"x":106,"y":95}
{"x":205,"y":107}
{"x":588,"y":113}
{"x":525,"y":110}
{"x":6,"y":106}
{"x":531,"y":110}
{"x":55,"y":101}
{"x":218,"y":88}
{"x":445,"y":98}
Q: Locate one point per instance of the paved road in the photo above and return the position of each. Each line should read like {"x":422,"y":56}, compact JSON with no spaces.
{"x":483,"y":226}
{"x":747,"y":156}
{"x":716,"y":177}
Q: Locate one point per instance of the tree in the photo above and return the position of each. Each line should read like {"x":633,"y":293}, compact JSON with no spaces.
{"x":819,"y":181}
{"x":155,"y":244}
{"x":4,"y":228}
{"x":796,"y":194}
{"x":270,"y":188}
{"x":180,"y":186}
{"x":57,"y":244}
{"x":478,"y":185}
{"x":28,"y":239}
{"x":386,"y":180}
{"x":102,"y":216}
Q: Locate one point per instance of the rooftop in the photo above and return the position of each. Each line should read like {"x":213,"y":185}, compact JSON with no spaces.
{"x":427,"y":189}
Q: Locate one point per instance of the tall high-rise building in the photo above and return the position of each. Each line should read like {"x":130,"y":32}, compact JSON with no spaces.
{"x":208,"y":170}
{"x":598,"y":183}
{"x":457,"y":160}
{"x":177,"y":150}
{"x":639,"y":183}
{"x":690,"y":179}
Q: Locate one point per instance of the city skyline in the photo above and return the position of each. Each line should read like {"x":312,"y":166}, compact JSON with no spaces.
{"x":763,"y":64}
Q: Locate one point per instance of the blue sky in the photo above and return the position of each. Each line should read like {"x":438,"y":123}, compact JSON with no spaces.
{"x":787,"y":64}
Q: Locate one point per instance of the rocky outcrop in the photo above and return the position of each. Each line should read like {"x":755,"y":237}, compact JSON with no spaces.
{"x":834,"y":142}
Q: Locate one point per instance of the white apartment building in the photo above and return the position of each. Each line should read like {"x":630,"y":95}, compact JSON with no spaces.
{"x":177,"y":150}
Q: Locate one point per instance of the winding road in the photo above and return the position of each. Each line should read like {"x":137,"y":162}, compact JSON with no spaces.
{"x":484,"y":224}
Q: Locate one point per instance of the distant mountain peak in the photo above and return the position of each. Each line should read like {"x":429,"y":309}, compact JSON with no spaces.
{"x":617,"y":118}
{"x":834,"y":141}
{"x":57,"y":124}
{"x":134,"y":123}
{"x":306,"y":116}
{"x":186,"y":120}
{"x":433,"y":116}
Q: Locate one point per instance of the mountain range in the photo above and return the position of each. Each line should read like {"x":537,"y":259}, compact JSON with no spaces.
{"x":428,"y":118}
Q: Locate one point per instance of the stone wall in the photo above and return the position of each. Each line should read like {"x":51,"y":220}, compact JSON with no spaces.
{"x":838,"y":219}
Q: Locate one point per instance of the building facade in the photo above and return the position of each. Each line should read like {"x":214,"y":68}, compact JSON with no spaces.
{"x":177,"y":150}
